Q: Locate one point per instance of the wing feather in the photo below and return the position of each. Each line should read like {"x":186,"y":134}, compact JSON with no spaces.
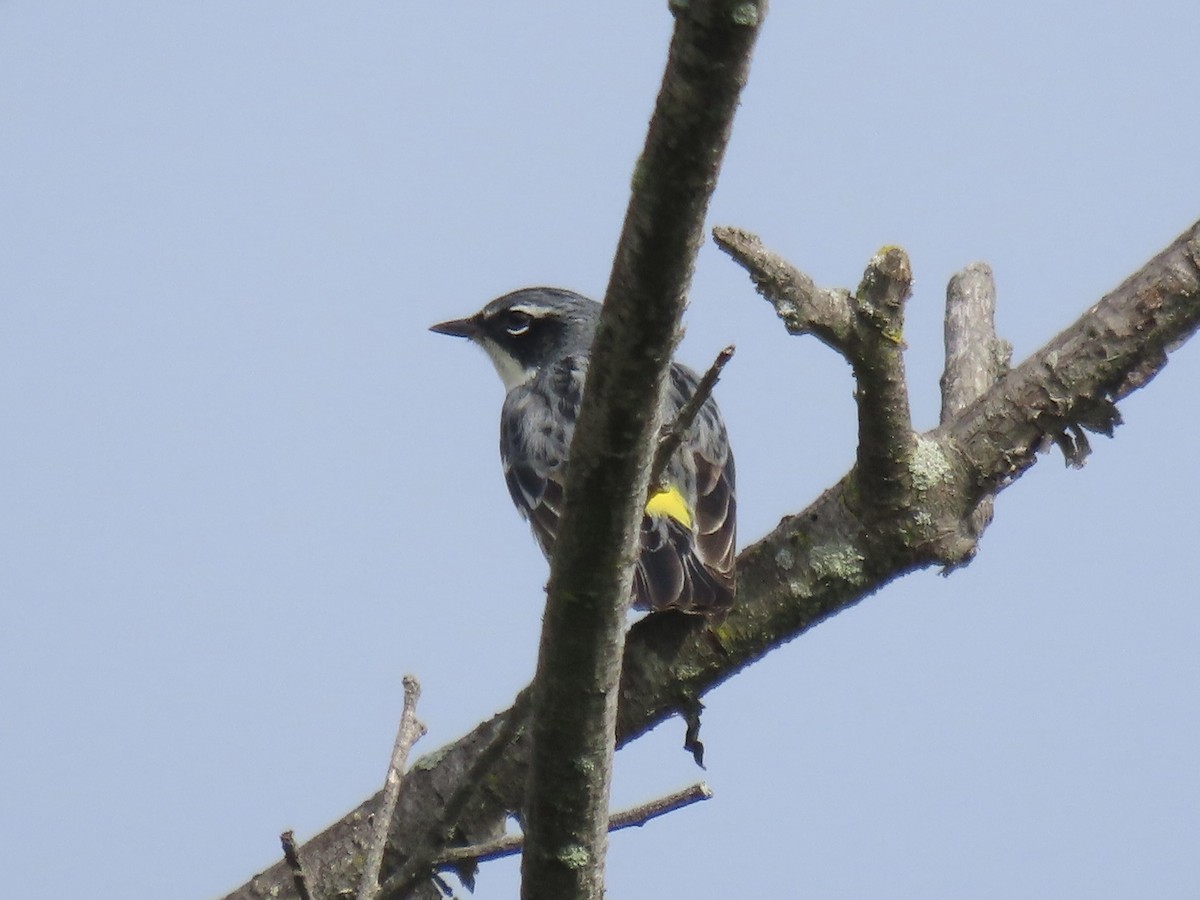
{"x":679,"y":567}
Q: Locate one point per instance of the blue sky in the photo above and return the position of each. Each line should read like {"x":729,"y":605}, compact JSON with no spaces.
{"x":244,"y":490}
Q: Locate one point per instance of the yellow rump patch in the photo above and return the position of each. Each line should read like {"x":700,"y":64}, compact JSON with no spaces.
{"x":669,"y":502}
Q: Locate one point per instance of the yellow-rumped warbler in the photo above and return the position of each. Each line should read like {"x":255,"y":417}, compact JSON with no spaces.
{"x":539,"y":340}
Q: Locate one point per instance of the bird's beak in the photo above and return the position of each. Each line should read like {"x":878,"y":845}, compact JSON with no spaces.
{"x":467,"y":328}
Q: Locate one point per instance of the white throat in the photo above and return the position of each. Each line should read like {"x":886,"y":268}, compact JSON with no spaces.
{"x":512,"y":373}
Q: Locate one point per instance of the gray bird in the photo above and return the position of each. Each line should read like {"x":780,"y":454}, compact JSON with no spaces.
{"x":539,"y":340}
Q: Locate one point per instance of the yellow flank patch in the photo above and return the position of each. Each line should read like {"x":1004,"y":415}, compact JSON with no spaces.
{"x":669,"y":502}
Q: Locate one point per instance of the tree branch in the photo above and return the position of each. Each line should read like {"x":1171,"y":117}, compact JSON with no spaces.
{"x":672,"y":434}
{"x":885,"y":435}
{"x":512,"y":844}
{"x":802,"y":572}
{"x":827,"y":314}
{"x":408,"y":733}
{"x":583,"y":632}
{"x":867,"y":329}
{"x":975,"y":359}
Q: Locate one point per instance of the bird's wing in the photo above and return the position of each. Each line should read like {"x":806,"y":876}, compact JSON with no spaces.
{"x":687,"y":542}
{"x":536,"y":425}
{"x":689,"y":565}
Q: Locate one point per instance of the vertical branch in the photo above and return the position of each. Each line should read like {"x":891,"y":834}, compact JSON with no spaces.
{"x":885,"y":435}
{"x":408,"y":733}
{"x":975,"y":357}
{"x":583,"y":633}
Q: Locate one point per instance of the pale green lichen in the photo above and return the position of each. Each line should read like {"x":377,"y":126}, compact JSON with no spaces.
{"x":800,"y":589}
{"x":745,"y":14}
{"x":837,"y":563}
{"x":575,"y":856}
{"x":691,"y":673}
{"x":785,"y":558}
{"x":929,"y":466}
{"x":431,"y":760}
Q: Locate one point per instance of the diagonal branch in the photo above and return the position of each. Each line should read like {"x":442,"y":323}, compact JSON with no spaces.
{"x":816,"y":563}
{"x":672,"y":434}
{"x":805,"y":570}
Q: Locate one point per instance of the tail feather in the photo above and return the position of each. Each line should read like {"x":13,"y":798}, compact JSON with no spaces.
{"x":671,"y":575}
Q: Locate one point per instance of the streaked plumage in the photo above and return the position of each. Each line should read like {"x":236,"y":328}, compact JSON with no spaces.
{"x":539,"y":339}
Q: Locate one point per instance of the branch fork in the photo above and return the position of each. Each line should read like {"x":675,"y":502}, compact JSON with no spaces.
{"x":903,"y":486}
{"x":806,"y":570}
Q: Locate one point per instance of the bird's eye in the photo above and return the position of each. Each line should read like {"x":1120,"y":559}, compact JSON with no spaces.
{"x":517,"y":322}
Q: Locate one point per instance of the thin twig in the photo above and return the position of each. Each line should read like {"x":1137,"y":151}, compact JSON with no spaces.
{"x":826,"y":313}
{"x":407,"y":734}
{"x":511,"y":844}
{"x":639,"y":815}
{"x":291,"y":853}
{"x":417,"y":865}
{"x":672,"y":434}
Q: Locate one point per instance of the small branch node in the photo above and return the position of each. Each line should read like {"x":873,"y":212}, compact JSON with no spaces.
{"x":291,"y":853}
{"x":885,"y":288}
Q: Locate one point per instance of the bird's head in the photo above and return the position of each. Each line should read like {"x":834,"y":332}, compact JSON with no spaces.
{"x":529,"y":329}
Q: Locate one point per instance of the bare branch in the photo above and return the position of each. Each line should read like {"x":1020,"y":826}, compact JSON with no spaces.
{"x":885,"y":435}
{"x":867,"y":329}
{"x":409,"y":732}
{"x":640,"y":815}
{"x":804,"y":308}
{"x":672,"y":433}
{"x":637,"y":816}
{"x":975,"y":357}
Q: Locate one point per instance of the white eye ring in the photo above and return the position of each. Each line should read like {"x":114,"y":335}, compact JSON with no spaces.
{"x":518,"y":323}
